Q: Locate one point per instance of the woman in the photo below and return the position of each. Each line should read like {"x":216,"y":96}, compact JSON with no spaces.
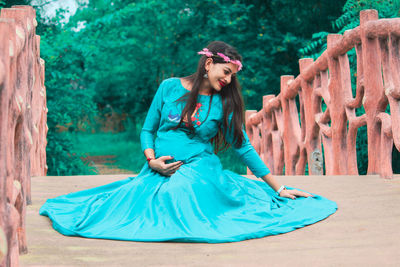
{"x":182,"y":194}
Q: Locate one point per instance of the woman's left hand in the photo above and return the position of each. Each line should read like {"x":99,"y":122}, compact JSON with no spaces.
{"x":289,"y":193}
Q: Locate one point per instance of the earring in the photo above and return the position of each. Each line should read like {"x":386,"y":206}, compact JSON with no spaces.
{"x":205,"y":75}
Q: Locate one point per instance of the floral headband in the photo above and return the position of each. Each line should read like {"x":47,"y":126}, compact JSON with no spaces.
{"x":208,"y":53}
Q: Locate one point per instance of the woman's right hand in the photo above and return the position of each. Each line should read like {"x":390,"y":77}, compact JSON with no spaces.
{"x":163,"y":168}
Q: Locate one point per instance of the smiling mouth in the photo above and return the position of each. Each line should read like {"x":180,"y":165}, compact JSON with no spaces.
{"x":221,"y":83}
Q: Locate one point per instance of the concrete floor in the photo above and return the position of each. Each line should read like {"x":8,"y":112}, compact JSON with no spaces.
{"x":365,"y":231}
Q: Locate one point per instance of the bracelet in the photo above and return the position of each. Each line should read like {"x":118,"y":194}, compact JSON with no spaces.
{"x":280,"y":189}
{"x":148,"y":160}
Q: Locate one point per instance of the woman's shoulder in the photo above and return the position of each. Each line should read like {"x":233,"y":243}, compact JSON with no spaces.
{"x":170,"y":82}
{"x":171,"y":88}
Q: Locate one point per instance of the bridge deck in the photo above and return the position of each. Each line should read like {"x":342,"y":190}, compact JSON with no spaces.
{"x":364,"y":230}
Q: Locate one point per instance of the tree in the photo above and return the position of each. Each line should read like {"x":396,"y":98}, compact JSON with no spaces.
{"x":68,"y":100}
{"x":116,"y":53}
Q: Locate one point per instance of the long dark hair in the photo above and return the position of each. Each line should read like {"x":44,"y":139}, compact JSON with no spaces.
{"x":231,"y":96}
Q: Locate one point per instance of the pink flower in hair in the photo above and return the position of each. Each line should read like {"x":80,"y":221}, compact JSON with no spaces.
{"x":237,"y":62}
{"x":206,"y":52}
{"x":226,"y":58}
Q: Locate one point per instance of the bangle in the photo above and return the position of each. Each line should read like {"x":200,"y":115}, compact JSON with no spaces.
{"x":280,"y":189}
{"x":148,"y":160}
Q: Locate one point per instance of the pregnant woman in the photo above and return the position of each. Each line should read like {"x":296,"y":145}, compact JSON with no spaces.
{"x":182,"y":193}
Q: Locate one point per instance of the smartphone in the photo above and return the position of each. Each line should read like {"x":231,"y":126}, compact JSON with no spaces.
{"x":170,"y":161}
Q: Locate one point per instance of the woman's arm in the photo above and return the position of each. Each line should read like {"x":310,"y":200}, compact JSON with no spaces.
{"x":149,"y":153}
{"x":271,"y":181}
{"x":246,"y":152}
{"x":274,"y":184}
{"x":149,"y":129}
{"x":250,"y":157}
{"x":152,"y":121}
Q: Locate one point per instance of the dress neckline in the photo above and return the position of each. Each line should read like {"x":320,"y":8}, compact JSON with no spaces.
{"x":180,"y":83}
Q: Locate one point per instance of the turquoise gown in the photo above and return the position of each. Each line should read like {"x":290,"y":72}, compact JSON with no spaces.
{"x":200,"y":202}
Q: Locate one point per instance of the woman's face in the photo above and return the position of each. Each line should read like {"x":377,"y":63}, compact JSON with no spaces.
{"x":220,"y":74}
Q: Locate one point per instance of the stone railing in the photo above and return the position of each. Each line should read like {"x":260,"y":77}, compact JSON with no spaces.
{"x":23,"y":128}
{"x":285,"y":139}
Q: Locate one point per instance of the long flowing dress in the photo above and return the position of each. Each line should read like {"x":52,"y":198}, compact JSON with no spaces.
{"x":200,"y":202}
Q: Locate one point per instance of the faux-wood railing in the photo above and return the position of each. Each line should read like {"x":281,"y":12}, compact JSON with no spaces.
{"x":23,"y":128}
{"x":286,"y":142}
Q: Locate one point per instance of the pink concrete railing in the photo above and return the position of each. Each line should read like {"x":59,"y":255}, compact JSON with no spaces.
{"x":284,"y":140}
{"x":23,"y":128}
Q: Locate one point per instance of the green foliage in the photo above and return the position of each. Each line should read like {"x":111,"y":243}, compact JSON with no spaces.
{"x":318,"y":40}
{"x":10,"y":3}
{"x":114,"y":54}
{"x":68,"y":99}
{"x":125,"y":149}
{"x":131,"y":46}
{"x":62,"y":159}
{"x":349,"y":19}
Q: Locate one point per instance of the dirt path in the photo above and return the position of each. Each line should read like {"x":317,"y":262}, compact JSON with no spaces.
{"x":106,"y":165}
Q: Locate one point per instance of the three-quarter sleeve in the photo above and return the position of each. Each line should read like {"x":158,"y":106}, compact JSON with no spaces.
{"x":152,"y":121}
{"x":246,"y":152}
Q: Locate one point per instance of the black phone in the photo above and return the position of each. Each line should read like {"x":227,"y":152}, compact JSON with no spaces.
{"x":170,"y":161}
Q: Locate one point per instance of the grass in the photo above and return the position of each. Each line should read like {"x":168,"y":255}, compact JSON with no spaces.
{"x":126,"y":147}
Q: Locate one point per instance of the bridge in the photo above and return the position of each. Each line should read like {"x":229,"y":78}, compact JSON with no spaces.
{"x":364,"y":230}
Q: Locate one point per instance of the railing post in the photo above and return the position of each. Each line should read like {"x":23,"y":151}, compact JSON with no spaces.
{"x":253,"y":133}
{"x":310,"y":105}
{"x":291,"y":128}
{"x":374,"y":98}
{"x":5,"y":223}
{"x":273,"y":129}
{"x":337,"y":110}
{"x":266,"y":141}
{"x":22,"y":111}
